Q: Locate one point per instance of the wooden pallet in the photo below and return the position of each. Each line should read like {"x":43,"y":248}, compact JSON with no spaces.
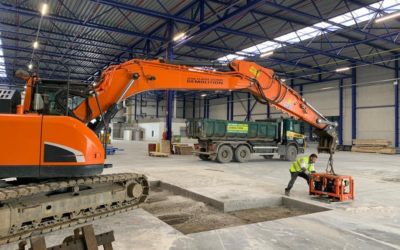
{"x":158,"y":154}
{"x":372,"y":142}
{"x":380,"y":146}
{"x":381,"y":150}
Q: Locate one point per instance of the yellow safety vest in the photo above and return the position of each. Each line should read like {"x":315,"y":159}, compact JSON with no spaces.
{"x":302,"y":162}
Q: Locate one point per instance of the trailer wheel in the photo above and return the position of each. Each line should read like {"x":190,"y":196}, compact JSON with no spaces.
{"x":242,"y":154}
{"x":225,"y":154}
{"x":291,"y":153}
{"x":204,"y":157}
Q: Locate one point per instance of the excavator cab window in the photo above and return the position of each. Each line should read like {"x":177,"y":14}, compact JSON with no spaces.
{"x":54,"y":99}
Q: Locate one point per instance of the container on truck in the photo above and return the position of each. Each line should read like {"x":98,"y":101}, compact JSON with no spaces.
{"x":225,"y":141}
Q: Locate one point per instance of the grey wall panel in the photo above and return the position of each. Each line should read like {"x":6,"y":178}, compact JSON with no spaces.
{"x":376,"y":123}
{"x":324,"y":97}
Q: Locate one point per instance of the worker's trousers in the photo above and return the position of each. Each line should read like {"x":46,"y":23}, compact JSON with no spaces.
{"x":293,"y":177}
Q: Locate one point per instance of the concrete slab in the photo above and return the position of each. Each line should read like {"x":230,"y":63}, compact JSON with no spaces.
{"x":349,"y":226}
{"x":314,"y":231}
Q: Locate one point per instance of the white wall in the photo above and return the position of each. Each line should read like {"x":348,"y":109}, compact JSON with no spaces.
{"x":324,"y":97}
{"x":153,"y":130}
{"x":375,"y":122}
{"x":218,"y":108}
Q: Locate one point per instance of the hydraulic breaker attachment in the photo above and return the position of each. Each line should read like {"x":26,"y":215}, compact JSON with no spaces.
{"x":327,"y":137}
{"x":327,"y":141}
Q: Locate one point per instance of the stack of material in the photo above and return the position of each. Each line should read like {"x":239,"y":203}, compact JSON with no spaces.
{"x":160,"y":150}
{"x":373,"y":146}
{"x":165,"y":147}
{"x":183,"y":149}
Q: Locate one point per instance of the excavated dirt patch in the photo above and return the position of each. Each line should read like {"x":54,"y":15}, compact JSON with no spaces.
{"x":190,"y":216}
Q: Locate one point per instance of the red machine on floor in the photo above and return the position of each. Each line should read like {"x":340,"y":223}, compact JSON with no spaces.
{"x":336,"y":187}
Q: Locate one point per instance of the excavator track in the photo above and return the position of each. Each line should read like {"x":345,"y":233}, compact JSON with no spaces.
{"x":37,"y":208}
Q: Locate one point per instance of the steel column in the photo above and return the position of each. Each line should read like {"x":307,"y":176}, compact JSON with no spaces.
{"x":194,"y":106}
{"x":135,"y":107}
{"x":340,"y":125}
{"x":248,"y":116}
{"x":396,"y":104}
{"x":157,"y":106}
{"x":208,"y":108}
{"x":184,"y":107}
{"x":228,"y":105}
{"x":204,"y":108}
{"x":353,"y":103}
{"x":170,"y":93}
{"x":232,"y":105}
{"x":170,"y":103}
{"x":268,"y":110}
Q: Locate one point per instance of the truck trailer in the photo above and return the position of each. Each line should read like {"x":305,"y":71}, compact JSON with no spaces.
{"x":225,"y":141}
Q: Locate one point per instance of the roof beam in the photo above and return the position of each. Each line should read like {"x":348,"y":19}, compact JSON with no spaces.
{"x":250,"y":5}
{"x":41,"y":69}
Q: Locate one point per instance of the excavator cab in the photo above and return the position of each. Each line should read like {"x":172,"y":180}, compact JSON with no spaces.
{"x":55,"y":97}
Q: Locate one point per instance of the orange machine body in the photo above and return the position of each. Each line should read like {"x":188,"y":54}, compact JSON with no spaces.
{"x":44,"y":146}
{"x":40,"y":144}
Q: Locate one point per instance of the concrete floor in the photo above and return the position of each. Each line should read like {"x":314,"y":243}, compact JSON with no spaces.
{"x":372,"y":221}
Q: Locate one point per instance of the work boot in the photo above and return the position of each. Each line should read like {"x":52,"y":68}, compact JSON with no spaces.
{"x":287,"y":192}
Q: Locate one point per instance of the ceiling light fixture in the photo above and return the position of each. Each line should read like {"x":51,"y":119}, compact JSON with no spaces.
{"x":342,"y":69}
{"x":179,"y":36}
{"x":387,"y":17}
{"x":44,"y":9}
{"x":270,"y":53}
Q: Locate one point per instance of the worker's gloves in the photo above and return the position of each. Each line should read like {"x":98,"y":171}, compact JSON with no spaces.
{"x":303,"y":169}
{"x":313,"y":172}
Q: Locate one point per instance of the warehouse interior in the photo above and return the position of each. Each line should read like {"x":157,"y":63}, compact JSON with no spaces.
{"x":178,"y":124}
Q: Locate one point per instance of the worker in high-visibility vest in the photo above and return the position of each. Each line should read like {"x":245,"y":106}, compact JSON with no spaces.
{"x":302,"y":167}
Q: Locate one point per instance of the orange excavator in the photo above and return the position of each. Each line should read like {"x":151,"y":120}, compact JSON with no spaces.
{"x":50,"y":143}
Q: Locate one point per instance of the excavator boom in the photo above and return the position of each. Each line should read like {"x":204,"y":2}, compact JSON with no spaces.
{"x":121,"y":81}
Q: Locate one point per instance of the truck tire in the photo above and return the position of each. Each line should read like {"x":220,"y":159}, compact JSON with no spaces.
{"x":268,"y":157}
{"x":224,"y":154}
{"x":291,"y":153}
{"x":204,"y":157}
{"x":242,"y":154}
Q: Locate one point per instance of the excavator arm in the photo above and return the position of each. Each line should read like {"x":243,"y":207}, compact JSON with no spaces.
{"x":119,"y":82}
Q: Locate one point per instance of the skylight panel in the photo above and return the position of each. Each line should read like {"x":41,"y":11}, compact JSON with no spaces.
{"x":2,"y":62}
{"x":252,"y":49}
{"x":229,"y":57}
{"x":388,"y":5}
{"x":326,"y":26}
